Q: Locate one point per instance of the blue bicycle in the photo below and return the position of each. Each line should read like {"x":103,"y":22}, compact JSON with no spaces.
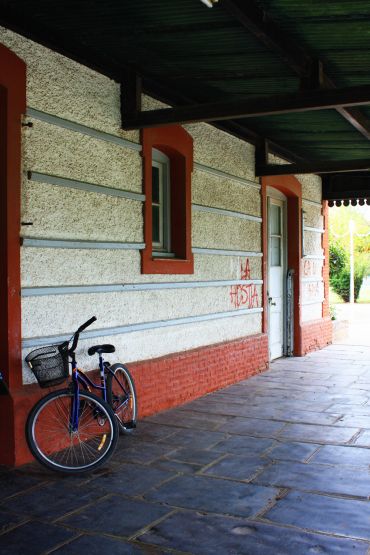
{"x":72,"y":430}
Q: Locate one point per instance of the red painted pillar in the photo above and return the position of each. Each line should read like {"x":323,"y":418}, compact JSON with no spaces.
{"x":12,"y":107}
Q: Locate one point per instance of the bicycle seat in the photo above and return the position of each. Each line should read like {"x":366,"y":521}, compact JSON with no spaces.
{"x":101,"y":349}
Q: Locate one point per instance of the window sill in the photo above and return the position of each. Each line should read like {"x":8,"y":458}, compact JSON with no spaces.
{"x":151,"y":264}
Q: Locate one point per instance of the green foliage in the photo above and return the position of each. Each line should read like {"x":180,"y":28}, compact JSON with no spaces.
{"x":338,"y":258}
{"x":340,"y":272}
{"x":339,"y":239}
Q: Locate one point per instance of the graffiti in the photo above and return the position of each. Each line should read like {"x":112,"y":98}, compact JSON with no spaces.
{"x":241,"y":295}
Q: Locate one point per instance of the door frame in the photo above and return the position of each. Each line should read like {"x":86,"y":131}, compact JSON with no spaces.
{"x":275,"y":194}
{"x":292,"y":189}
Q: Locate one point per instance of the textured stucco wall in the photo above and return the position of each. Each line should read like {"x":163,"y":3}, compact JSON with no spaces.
{"x":61,"y":87}
{"x":64,"y":153}
{"x":311,"y":312}
{"x":116,"y":309}
{"x":311,"y":187}
{"x":60,"y":213}
{"x":220,"y":192}
{"x":312,"y":242}
{"x":214,"y":231}
{"x":43,"y":267}
{"x":312,"y":215}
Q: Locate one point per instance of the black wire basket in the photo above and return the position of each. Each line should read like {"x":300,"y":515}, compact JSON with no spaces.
{"x":49,"y":364}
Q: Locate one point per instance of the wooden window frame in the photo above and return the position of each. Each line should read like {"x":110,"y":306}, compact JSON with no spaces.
{"x":175,"y":143}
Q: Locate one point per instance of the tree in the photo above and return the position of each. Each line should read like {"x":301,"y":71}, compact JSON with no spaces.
{"x":339,"y":250}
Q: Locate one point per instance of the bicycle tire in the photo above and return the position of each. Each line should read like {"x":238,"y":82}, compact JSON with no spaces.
{"x":55,"y":446}
{"x":127,"y":413}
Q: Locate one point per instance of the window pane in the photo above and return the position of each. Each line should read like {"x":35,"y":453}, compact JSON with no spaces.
{"x":275,"y":246}
{"x":155,"y":184}
{"x":274,"y":219}
{"x":155,"y":224}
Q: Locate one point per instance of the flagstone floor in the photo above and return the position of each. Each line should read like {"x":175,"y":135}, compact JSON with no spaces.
{"x":274,"y":465}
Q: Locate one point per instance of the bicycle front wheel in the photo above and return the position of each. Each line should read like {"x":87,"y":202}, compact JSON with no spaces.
{"x":55,"y":444}
{"x":121,"y":396}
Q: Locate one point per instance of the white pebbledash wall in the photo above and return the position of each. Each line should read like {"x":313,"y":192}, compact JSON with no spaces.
{"x":82,"y":192}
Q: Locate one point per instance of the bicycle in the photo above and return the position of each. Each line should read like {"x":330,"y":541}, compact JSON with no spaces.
{"x":72,"y":430}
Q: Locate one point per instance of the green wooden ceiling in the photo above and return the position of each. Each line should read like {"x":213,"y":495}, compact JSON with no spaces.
{"x":188,"y":52}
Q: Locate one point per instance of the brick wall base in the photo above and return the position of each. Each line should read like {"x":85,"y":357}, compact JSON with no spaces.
{"x":172,"y":380}
{"x":316,"y":334}
{"x":161,"y":383}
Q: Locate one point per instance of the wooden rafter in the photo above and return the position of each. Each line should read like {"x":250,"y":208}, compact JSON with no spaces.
{"x":255,"y":107}
{"x":259,"y":23}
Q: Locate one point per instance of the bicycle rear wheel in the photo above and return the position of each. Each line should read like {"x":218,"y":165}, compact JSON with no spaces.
{"x":53,"y":442}
{"x":121,"y":395}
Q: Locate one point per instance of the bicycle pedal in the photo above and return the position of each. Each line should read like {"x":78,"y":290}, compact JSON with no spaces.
{"x":130,"y":425}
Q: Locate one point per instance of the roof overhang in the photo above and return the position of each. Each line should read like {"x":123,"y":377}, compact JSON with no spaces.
{"x":267,"y":71}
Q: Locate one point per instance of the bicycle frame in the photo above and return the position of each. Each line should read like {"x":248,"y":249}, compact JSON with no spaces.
{"x":79,"y":377}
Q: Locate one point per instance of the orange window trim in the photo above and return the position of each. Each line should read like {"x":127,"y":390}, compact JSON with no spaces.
{"x":177,"y":144}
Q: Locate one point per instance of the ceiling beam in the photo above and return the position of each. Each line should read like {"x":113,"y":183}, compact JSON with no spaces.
{"x":255,"y":107}
{"x":263,"y":170}
{"x":259,"y":23}
{"x":151,"y":86}
{"x":161,"y":91}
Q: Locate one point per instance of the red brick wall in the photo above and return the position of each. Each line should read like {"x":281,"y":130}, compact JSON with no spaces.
{"x":175,"y":379}
{"x":316,"y":334}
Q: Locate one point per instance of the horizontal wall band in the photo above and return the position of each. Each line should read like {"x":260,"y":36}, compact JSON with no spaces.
{"x":226,"y":175}
{"x":115,"y":139}
{"x":118,"y":330}
{"x":307,"y":303}
{"x":314,"y":229}
{"x":80,"y":128}
{"x":314,"y":257}
{"x":225,"y":252}
{"x":71,"y":244}
{"x":84,"y":186}
{"x":229,"y":213}
{"x":73,"y":289}
{"x":312,"y":202}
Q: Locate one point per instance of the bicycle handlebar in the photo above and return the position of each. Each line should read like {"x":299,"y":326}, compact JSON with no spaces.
{"x":76,"y":335}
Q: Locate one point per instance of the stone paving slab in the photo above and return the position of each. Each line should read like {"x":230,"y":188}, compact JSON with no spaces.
{"x":346,"y":517}
{"x":299,"y":452}
{"x":342,"y":456}
{"x":51,"y":501}
{"x":275,"y":465}
{"x":214,"y":495}
{"x":237,"y":467}
{"x":316,"y":478}
{"x":211,"y":535}
{"x":33,"y":538}
{"x":322,"y":434}
{"x":116,"y":516}
{"x":98,"y":545}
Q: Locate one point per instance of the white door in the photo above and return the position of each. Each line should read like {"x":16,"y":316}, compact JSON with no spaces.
{"x":276,"y":276}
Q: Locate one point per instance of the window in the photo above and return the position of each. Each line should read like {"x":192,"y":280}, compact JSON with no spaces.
{"x":275,"y":235}
{"x":168,"y":162}
{"x":161,"y":202}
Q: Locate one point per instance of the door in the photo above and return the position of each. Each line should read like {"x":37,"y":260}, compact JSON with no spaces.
{"x":276,"y":274}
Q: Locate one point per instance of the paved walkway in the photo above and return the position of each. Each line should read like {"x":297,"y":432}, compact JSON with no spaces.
{"x":278,"y":464}
{"x":358,"y":317}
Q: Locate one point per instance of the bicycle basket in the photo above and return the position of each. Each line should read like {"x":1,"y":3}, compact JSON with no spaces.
{"x":49,"y":364}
